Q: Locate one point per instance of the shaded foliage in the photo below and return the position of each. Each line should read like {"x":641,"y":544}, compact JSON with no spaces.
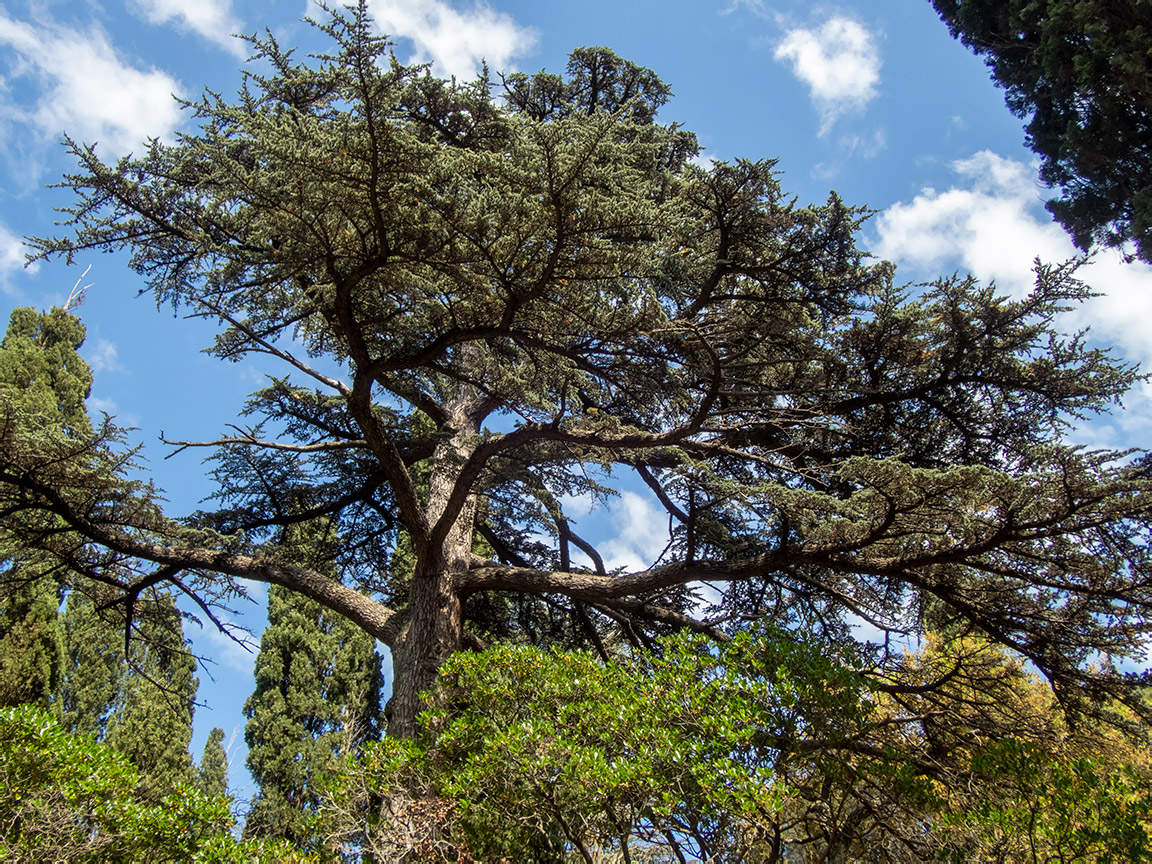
{"x":1078,"y":72}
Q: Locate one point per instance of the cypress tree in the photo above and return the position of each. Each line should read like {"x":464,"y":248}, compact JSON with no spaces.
{"x":43,"y":376}
{"x":94,"y":664}
{"x":317,"y":697}
{"x":31,"y":650}
{"x":152,"y":720}
{"x":213,"y":773}
{"x":74,"y":661}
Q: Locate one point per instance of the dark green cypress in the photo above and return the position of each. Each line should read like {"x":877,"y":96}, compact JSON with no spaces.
{"x":213,"y":773}
{"x":1077,"y":71}
{"x":31,"y":650}
{"x":75,"y":660}
{"x":317,"y":698}
{"x":94,"y":664}
{"x":152,"y":720}
{"x":43,"y":376}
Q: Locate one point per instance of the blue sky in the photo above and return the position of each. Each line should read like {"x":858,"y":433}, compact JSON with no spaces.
{"x":871,"y":98}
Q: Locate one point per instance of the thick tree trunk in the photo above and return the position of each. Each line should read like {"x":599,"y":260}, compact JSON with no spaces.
{"x":435,"y":626}
{"x":433,"y":635}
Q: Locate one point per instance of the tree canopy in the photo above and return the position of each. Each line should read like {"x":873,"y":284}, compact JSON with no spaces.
{"x":1078,"y":71}
{"x":767,"y":748}
{"x":491,"y":299}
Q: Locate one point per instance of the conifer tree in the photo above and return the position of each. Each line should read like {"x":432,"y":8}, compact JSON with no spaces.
{"x":529,"y":292}
{"x":94,"y":667}
{"x":212,"y":777}
{"x":1077,"y":71}
{"x":31,"y":648}
{"x":74,"y":660}
{"x":41,"y":369}
{"x":151,"y":722}
{"x":317,"y":697}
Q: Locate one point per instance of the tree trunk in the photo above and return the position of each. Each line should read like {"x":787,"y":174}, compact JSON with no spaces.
{"x":434,"y":629}
{"x":433,"y":635}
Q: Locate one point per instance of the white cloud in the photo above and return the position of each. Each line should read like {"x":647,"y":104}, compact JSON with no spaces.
{"x":102,"y":357}
{"x":705,"y":160}
{"x":756,"y":7}
{"x":12,"y":252}
{"x":212,"y":19}
{"x":454,"y":41}
{"x":993,"y":225}
{"x":99,"y":405}
{"x":221,"y":647}
{"x":87,"y":89}
{"x":642,"y":533}
{"x":839,"y":62}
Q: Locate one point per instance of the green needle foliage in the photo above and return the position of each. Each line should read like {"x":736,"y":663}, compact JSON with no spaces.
{"x":31,"y":644}
{"x":212,"y":778}
{"x":40,"y":366}
{"x":40,"y":369}
{"x":94,"y":668}
{"x":1077,"y":71}
{"x":493,"y":298}
{"x":317,"y":699}
{"x":74,"y":661}
{"x":151,"y":722}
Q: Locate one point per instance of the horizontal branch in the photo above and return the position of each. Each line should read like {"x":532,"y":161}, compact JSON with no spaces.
{"x":377,"y":620}
{"x":485,"y":575}
{"x":318,"y":447}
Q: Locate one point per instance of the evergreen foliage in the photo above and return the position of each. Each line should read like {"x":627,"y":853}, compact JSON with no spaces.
{"x":40,"y":366}
{"x":1078,"y":72}
{"x":212,"y":777}
{"x":31,"y":645}
{"x":317,"y":699}
{"x":74,"y":661}
{"x":151,"y":722}
{"x":528,"y":293}
{"x":94,"y":668}
{"x":40,"y":369}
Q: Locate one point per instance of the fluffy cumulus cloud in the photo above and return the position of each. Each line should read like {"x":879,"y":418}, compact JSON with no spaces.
{"x":839,"y":62}
{"x":85,"y":88}
{"x":212,"y":19}
{"x":455,"y":41}
{"x":992,"y":223}
{"x":641,"y":533}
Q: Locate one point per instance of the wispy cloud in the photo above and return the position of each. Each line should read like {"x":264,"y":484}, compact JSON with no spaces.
{"x":212,"y":19}
{"x":11,"y":255}
{"x":85,"y":87}
{"x":455,"y":41}
{"x":839,"y":62}
{"x":235,"y":656}
{"x":102,"y":357}
{"x":641,"y":533}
